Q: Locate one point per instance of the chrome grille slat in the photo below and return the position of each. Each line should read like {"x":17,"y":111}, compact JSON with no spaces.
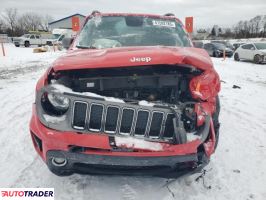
{"x":117,"y":120}
{"x":138,"y":122}
{"x":76,"y":124}
{"x":159,"y":127}
{"x":90,"y":123}
{"x":124,"y":122}
{"x":115,"y":125}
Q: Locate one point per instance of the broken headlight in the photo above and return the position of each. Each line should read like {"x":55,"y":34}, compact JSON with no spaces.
{"x":55,"y":104}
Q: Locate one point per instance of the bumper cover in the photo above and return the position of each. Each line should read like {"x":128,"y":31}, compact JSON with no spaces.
{"x":161,"y":166}
{"x":101,"y":158}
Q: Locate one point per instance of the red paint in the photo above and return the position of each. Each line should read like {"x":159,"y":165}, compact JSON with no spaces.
{"x":120,"y":57}
{"x":189,"y":24}
{"x":204,"y":88}
{"x":209,"y":145}
{"x":75,"y":23}
{"x":53,"y":140}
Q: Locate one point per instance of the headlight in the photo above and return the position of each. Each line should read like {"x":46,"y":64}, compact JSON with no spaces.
{"x":55,"y":103}
{"x":58,"y":101}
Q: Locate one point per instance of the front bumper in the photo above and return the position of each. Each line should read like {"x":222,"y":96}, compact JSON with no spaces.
{"x":161,"y":166}
{"x":96,"y":155}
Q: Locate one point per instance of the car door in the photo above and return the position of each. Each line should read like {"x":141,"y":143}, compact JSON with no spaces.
{"x":32,"y":39}
{"x":38,"y":40}
{"x":247,"y":51}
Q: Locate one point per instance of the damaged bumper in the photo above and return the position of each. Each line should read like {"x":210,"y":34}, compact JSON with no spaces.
{"x":96,"y":153}
{"x":161,"y":166}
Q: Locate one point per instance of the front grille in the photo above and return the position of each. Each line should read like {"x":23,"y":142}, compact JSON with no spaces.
{"x":123,"y":119}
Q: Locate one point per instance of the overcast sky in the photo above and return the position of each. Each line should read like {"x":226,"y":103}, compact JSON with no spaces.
{"x":206,"y":12}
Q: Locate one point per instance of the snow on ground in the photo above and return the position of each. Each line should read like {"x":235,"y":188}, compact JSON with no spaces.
{"x":237,"y":170}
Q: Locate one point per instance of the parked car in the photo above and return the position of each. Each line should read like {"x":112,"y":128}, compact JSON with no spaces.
{"x":217,"y":50}
{"x":58,"y":36}
{"x":130,"y":96}
{"x":30,"y":39}
{"x":255,"y":52}
{"x":226,"y":43}
{"x":198,"y":44}
{"x":236,"y":45}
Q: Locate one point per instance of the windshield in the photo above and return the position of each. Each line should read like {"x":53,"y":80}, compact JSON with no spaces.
{"x":219,"y":45}
{"x":124,"y":31}
{"x":56,"y":36}
{"x":260,"y":46}
{"x":26,"y":35}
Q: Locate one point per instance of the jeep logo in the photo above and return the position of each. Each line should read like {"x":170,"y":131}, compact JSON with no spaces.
{"x":140,"y":59}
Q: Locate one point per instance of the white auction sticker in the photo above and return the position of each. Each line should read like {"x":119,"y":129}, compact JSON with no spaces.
{"x":163,"y":23}
{"x":26,"y":193}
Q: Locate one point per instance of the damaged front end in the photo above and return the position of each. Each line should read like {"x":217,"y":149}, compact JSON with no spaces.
{"x":138,"y":119}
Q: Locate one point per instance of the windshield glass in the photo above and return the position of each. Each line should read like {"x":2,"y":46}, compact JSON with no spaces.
{"x":26,"y":35}
{"x":260,"y":46}
{"x":219,"y":45}
{"x":56,"y":36}
{"x":124,"y":31}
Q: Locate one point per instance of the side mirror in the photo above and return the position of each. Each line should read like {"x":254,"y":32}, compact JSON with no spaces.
{"x":252,"y":48}
{"x":67,"y":42}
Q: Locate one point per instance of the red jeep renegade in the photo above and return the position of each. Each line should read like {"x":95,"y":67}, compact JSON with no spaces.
{"x":131,"y":96}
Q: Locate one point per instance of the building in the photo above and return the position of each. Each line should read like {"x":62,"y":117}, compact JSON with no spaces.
{"x":66,"y":23}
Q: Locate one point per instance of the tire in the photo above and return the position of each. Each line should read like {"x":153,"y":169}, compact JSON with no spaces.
{"x":216,"y":122}
{"x":216,"y":54}
{"x":17,"y":45}
{"x":49,"y":43}
{"x":257,"y":59}
{"x":236,"y":57}
{"x":26,"y":43}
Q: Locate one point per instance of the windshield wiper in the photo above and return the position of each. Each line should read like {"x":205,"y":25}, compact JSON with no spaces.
{"x":84,"y":47}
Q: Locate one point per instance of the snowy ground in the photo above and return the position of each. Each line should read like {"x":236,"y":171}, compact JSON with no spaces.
{"x":237,"y":170}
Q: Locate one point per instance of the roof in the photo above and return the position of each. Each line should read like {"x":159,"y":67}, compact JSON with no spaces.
{"x":66,"y":18}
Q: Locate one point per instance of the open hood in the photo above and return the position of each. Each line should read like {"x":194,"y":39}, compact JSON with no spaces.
{"x":132,"y":56}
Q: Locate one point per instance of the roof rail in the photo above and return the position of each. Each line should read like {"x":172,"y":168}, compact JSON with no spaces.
{"x":169,"y":15}
{"x":94,"y":12}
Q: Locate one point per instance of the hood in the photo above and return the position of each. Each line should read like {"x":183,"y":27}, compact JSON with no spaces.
{"x":263,"y":51}
{"x":226,"y":49}
{"x":132,"y":56}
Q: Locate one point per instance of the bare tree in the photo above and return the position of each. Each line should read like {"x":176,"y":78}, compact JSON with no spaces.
{"x":10,"y":16}
{"x":30,"y":21}
{"x":2,"y":26}
{"x":264,"y":29}
{"x":45,"y":22}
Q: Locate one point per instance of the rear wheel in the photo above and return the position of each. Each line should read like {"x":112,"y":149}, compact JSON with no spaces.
{"x":236,"y":57}
{"x":17,"y":45}
{"x":257,"y":59}
{"x":27,"y":44}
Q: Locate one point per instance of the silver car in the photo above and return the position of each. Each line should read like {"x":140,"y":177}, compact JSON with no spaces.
{"x":255,"y":52}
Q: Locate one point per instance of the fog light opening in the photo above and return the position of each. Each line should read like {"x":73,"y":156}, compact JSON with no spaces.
{"x":59,"y":162}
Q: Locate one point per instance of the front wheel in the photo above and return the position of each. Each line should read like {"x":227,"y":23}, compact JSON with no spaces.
{"x":27,"y":44}
{"x":216,"y":54}
{"x":236,"y":57}
{"x":257,"y":59}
